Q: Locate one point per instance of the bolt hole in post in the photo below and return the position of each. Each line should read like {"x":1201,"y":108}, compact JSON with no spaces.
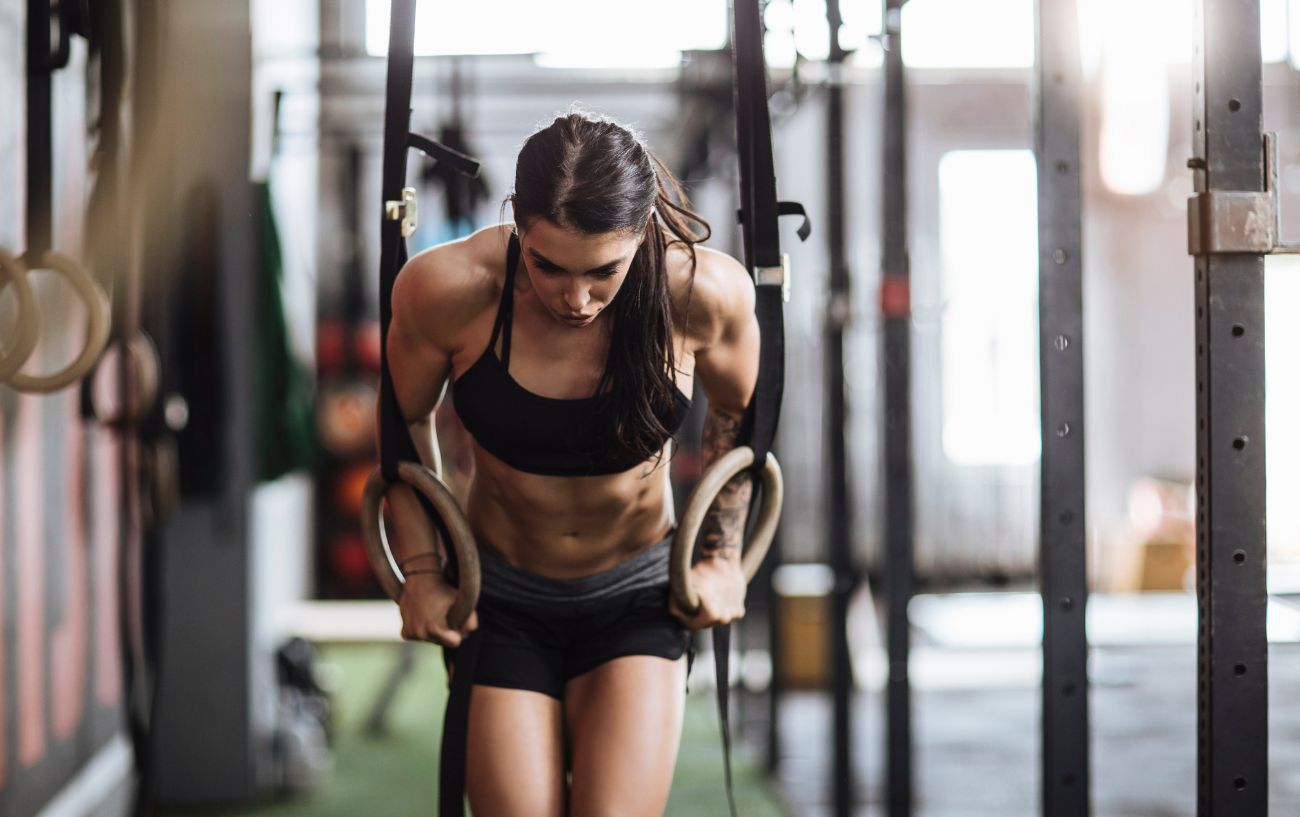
{"x":1240,"y":443}
{"x":1234,"y":105}
{"x":1239,"y":556}
{"x":1238,"y":330}
{"x":1239,"y":669}
{"x":1239,"y":784}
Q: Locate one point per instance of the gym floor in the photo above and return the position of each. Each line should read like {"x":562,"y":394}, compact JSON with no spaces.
{"x":976,"y":704}
{"x":396,"y":774}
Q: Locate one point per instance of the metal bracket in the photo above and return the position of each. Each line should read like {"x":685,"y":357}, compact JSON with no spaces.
{"x":406,"y":211}
{"x":1221,"y":222}
{"x":775,"y":277}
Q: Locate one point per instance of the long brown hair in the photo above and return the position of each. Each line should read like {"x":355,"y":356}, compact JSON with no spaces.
{"x":593,"y":175}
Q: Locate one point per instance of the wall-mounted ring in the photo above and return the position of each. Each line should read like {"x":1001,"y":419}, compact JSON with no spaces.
{"x":697,"y":507}
{"x":28,"y":326}
{"x":140,"y":353}
{"x":98,"y":317}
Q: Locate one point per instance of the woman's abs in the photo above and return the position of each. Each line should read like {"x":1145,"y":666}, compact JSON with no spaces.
{"x":568,"y":527}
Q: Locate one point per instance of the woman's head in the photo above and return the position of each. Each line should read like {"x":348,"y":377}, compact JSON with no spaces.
{"x":593,"y":208}
{"x":587,"y":174}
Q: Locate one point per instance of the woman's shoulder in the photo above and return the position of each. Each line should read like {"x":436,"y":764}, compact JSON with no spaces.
{"x":445,"y":288}
{"x":718,"y":292}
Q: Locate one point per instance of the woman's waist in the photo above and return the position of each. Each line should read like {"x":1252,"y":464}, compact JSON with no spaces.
{"x":646,"y":567}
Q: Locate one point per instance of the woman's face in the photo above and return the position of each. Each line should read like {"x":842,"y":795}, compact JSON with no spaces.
{"x":575,"y":275}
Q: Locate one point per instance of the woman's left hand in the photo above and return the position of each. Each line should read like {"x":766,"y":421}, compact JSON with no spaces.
{"x":721,"y":586}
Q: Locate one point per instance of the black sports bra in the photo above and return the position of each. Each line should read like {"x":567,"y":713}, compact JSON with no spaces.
{"x":532,"y":433}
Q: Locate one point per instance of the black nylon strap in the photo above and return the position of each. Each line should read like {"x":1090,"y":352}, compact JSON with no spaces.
{"x":392,"y":252}
{"x":395,"y":443}
{"x":455,"y":729}
{"x":759,"y":214}
{"x":454,"y":159}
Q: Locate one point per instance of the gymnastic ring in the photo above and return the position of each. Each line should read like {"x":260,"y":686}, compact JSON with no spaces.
{"x":697,"y":507}
{"x":444,"y":504}
{"x":29,"y":327}
{"x":98,"y":318}
{"x":138,"y":351}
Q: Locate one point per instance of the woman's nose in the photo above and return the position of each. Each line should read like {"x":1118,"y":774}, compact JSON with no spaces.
{"x":576,"y":298}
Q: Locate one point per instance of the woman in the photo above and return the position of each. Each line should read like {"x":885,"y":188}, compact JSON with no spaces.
{"x":572,"y":339}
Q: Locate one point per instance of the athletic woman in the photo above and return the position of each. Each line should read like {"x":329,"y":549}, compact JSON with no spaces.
{"x":572,"y":339}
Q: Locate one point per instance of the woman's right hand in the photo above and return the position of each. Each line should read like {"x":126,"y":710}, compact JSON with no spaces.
{"x":424,"y":602}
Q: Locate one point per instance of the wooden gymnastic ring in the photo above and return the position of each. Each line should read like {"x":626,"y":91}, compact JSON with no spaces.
{"x":98,"y":317}
{"x":141,"y":353}
{"x":29,"y":325}
{"x":444,"y":504}
{"x":697,"y":507}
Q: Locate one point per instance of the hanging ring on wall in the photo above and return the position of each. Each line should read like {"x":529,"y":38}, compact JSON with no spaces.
{"x":140,"y":353}
{"x":697,"y":507}
{"x":453,"y":519}
{"x":27,"y":328}
{"x":98,"y":318}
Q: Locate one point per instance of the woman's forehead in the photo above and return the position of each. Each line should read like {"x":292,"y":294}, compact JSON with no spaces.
{"x":575,"y":250}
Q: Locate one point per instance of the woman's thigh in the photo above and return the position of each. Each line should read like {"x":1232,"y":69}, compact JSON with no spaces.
{"x":515,"y":754}
{"x":625,"y":721}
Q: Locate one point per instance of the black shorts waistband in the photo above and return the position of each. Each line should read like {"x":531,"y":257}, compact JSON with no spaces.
{"x":647,"y":568}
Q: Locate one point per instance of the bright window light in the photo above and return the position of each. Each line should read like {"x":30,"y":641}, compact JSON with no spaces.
{"x":800,"y":28}
{"x":1134,"y":144}
{"x":988,"y":231}
{"x":1000,"y":33}
{"x":963,"y":34}
{"x":1282,"y":405}
{"x":1168,"y":28}
{"x":563,"y":33}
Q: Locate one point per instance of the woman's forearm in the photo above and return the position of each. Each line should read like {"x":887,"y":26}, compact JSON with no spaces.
{"x":723,"y":530}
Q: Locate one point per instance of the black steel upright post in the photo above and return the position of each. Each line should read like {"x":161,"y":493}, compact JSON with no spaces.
{"x":1062,"y":552}
{"x":1232,"y":690}
{"x":895,"y":303}
{"x":837,"y":474}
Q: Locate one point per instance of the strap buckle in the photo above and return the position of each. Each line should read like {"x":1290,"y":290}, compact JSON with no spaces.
{"x":406,"y":211}
{"x":775,"y":277}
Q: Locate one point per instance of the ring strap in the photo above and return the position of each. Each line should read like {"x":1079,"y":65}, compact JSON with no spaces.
{"x":759,"y":214}
{"x":395,"y":444}
{"x":455,"y":728}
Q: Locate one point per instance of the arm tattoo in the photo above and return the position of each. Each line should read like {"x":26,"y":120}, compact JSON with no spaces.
{"x":723,"y":531}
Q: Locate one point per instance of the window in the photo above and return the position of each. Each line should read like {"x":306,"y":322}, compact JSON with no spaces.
{"x":611,"y":34}
{"x":988,"y":231}
{"x":1000,"y":33}
{"x":1282,"y":405}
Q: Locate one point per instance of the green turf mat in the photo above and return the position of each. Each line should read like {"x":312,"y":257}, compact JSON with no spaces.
{"x":396,"y":775}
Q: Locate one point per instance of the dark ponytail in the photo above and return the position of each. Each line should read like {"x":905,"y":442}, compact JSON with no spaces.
{"x":593,"y":175}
